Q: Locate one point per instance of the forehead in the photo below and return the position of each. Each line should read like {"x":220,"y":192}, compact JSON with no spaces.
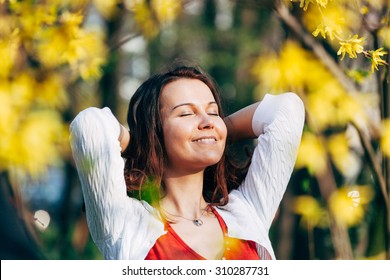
{"x":185,"y":91}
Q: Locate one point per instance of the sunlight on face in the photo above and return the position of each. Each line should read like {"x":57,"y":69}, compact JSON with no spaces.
{"x":194,"y":133}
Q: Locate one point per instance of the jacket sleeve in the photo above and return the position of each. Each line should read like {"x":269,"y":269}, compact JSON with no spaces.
{"x":121,"y":227}
{"x":96,"y":152}
{"x":278,"y":123}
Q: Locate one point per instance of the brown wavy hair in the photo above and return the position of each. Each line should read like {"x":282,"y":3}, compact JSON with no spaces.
{"x":146,"y":156}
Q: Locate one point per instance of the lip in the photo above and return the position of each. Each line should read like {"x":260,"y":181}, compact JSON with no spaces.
{"x":205,"y":139}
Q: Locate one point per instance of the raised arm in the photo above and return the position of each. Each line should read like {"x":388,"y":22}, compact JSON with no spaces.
{"x":239,"y":124}
{"x":277,"y":123}
{"x":119,"y":225}
{"x":96,"y":150}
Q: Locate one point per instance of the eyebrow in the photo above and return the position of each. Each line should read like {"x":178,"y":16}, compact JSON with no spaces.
{"x":192,"y":104}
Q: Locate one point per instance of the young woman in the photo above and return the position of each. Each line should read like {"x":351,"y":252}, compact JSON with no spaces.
{"x":177,"y":195}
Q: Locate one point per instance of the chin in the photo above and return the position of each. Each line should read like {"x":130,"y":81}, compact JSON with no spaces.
{"x":211,"y":160}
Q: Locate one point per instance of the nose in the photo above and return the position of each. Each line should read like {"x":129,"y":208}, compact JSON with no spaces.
{"x":206,"y":121}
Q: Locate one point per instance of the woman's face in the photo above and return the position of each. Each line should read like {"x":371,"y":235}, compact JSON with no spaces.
{"x":194,"y":133}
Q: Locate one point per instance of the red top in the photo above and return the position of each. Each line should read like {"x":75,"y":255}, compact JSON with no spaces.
{"x":171,"y":247}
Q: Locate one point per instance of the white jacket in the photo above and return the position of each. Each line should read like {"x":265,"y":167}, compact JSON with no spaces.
{"x":126,"y":228}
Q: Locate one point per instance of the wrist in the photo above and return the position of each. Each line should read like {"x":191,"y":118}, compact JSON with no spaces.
{"x":230,"y":129}
{"x":123,"y":138}
{"x":121,"y":132}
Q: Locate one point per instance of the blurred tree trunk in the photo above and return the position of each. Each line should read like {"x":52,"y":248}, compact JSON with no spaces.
{"x":386,"y":168}
{"x":67,"y":213}
{"x":16,"y":241}
{"x":285,"y":227}
{"x":109,"y":82}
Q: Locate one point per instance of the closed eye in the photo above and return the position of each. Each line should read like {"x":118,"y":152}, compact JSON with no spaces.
{"x":185,"y":114}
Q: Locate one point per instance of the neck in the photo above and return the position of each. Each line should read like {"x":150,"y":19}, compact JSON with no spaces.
{"x":184,"y":195}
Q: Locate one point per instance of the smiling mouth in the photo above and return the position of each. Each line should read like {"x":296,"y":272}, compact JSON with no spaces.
{"x":206,"y":140}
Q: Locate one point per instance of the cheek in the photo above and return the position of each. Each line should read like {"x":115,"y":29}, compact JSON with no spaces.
{"x":172,"y":132}
{"x":174,"y":138}
{"x":169,"y":144}
{"x":222,"y":129}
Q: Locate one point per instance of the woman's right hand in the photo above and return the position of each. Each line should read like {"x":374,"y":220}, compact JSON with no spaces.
{"x":124,"y":138}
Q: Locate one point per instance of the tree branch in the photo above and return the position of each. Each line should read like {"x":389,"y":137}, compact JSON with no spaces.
{"x":339,"y":233}
{"x":308,"y":39}
{"x":373,"y":161}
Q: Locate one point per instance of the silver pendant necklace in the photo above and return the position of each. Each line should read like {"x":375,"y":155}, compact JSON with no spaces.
{"x":197,"y":221}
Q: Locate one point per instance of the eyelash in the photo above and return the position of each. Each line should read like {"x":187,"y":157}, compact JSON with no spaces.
{"x":189,"y":114}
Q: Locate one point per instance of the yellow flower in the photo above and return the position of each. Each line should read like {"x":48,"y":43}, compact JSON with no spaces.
{"x":358,"y":75}
{"x":327,"y":30}
{"x":106,"y":8}
{"x":51,"y":46}
{"x":18,"y":94}
{"x":331,"y":22}
{"x":35,"y":146}
{"x":310,"y":210}
{"x":83,"y":50}
{"x":91,"y":69}
{"x":86,"y":55}
{"x":50,"y":92}
{"x":8,"y":116}
{"x":376,"y":59}
{"x":166,"y":10}
{"x":311,"y":154}
{"x":294,"y":62}
{"x":348,"y":204}
{"x":350,"y":109}
{"x":352,"y":46}
{"x":9,"y":50}
{"x":305,"y":4}
{"x":322,"y":102}
{"x":384,"y":33}
{"x":150,"y":15}
{"x":32,"y":17}
{"x":268,"y":72}
{"x":385,"y":137}
{"x":291,"y":70}
{"x":70,"y":24}
{"x":322,"y":3}
{"x":53,"y":43}
{"x":345,"y":161}
{"x":143,"y":16}
{"x":320,"y":29}
{"x":321,"y":110}
{"x":364,"y":10}
{"x":7,"y":25}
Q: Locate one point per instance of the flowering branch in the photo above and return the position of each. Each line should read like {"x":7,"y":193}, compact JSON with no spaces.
{"x":285,"y":15}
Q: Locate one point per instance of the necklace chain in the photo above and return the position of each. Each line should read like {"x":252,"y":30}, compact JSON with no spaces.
{"x":197,"y":221}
